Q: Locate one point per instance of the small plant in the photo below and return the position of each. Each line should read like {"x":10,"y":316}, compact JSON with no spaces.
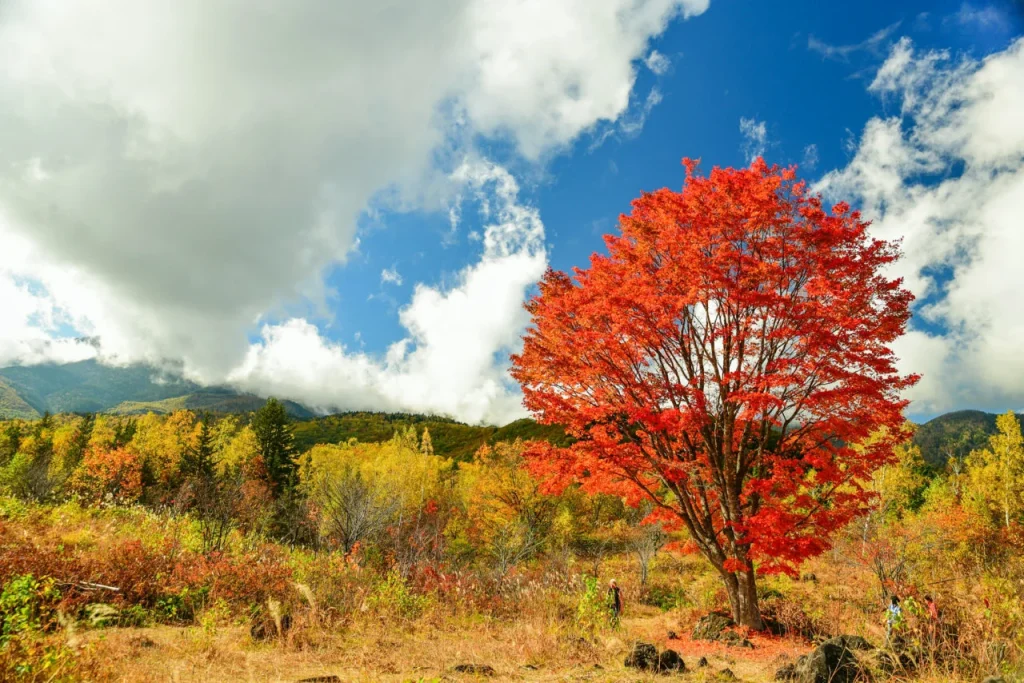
{"x":392,"y":596}
{"x":592,"y":612}
{"x":25,"y":605}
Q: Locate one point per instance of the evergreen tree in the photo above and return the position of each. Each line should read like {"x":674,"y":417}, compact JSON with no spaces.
{"x":79,"y":442}
{"x":10,"y":443}
{"x":198,"y":461}
{"x":124,"y":433}
{"x":277,"y":444}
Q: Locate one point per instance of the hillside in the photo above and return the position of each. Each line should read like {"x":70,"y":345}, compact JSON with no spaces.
{"x":954,"y":435}
{"x":90,"y":387}
{"x":211,"y":400}
{"x":450,"y":439}
{"x":13,"y":405}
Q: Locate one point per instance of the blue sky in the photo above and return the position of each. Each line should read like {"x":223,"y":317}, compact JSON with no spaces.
{"x":800,"y":68}
{"x":347,"y":206}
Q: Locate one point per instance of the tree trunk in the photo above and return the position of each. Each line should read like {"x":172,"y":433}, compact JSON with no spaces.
{"x":742,"y":590}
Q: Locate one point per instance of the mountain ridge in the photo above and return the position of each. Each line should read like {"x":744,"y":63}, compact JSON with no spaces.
{"x":28,"y":391}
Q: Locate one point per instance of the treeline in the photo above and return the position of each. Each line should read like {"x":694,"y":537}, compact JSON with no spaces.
{"x":411,"y":490}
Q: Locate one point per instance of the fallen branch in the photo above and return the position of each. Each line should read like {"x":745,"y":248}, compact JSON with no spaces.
{"x":88,"y":586}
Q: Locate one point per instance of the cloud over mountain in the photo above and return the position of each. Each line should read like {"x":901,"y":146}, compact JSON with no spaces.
{"x":176,"y":175}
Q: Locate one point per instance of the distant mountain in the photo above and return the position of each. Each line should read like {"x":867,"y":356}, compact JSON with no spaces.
{"x":89,"y":387}
{"x":954,"y":435}
{"x":212,"y":400}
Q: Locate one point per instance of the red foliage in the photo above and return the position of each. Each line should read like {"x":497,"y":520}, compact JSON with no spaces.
{"x":114,"y":474}
{"x":723,"y":360}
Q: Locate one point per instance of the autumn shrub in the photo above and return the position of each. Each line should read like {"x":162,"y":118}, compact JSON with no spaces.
{"x":238,"y":579}
{"x":26,"y":604}
{"x":113,"y":475}
{"x":393,"y":597}
{"x":592,"y":610}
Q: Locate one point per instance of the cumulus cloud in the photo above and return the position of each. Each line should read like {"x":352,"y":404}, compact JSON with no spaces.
{"x":455,"y":358}
{"x":947,"y":176}
{"x":181,"y":172}
{"x":755,"y":138}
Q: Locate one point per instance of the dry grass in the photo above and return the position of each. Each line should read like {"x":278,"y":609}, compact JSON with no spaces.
{"x":518,"y":651}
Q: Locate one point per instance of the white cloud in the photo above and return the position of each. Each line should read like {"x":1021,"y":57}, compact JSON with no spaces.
{"x":755,"y":138}
{"x":658,"y":63}
{"x":871,"y":44}
{"x":455,"y":358}
{"x":390,"y":276}
{"x":988,"y":17}
{"x":947,"y":176}
{"x":180,"y":170}
{"x":810,"y":160}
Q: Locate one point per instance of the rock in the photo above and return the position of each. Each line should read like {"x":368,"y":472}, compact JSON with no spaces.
{"x":711,"y":626}
{"x":644,"y":657}
{"x":809,"y":578}
{"x":669,"y":660}
{"x":852,"y":643}
{"x":530,"y":667}
{"x":702,"y":662}
{"x":321,"y":679}
{"x":787,"y":673}
{"x":672,"y":635}
{"x":727,"y":674}
{"x":474,"y":669}
{"x":994,"y":679}
{"x":830,"y":662}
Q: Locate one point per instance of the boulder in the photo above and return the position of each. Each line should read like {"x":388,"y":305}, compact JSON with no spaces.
{"x":672,"y":635}
{"x":474,"y":669}
{"x":711,"y":626}
{"x":702,"y":662}
{"x":727,"y":675}
{"x":830,"y":662}
{"x":787,"y":673}
{"x":321,"y":679}
{"x":669,"y":660}
{"x":644,"y":657}
{"x":852,"y":643}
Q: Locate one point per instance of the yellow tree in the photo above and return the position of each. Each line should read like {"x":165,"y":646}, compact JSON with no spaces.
{"x":900,"y":484}
{"x":358,"y":488}
{"x":995,"y":476}
{"x":507,"y":515}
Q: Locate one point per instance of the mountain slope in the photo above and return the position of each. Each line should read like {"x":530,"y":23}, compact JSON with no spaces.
{"x":13,"y":405}
{"x":954,"y":435}
{"x":89,"y":387}
{"x":212,"y":400}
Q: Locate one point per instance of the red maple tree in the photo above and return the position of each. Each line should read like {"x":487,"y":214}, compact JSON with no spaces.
{"x":728,"y":359}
